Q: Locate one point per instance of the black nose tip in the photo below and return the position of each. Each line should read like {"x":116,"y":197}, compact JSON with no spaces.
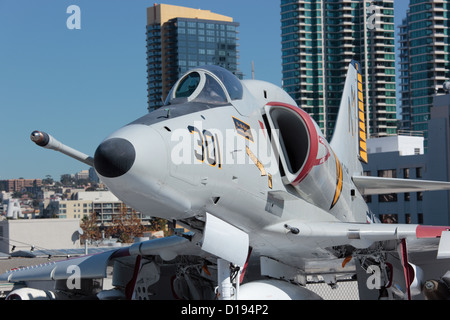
{"x":114,"y":157}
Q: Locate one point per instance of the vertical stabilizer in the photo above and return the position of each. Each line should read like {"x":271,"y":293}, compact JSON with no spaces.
{"x":349,"y":139}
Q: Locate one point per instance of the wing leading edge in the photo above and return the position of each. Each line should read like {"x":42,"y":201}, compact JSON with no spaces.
{"x":377,"y":185}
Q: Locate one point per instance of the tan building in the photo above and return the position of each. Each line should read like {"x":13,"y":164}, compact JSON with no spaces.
{"x":161,"y":13}
{"x":82,"y":175}
{"x":74,"y":209}
{"x":180,"y":38}
{"x":104,"y":204}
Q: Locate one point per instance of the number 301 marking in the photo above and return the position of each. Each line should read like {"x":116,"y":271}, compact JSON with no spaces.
{"x":207,"y":146}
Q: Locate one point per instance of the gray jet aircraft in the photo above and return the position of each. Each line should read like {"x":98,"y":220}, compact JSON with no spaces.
{"x":268,"y":202}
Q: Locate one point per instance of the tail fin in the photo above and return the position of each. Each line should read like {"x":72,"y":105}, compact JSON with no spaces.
{"x":349,"y":139}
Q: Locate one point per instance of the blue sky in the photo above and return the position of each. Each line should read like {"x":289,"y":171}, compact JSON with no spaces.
{"x":81,"y":85}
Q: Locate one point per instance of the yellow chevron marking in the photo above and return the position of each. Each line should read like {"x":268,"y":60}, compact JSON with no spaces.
{"x":363,"y":156}
{"x":362,"y":122}
{"x":361,"y":97}
{"x":339,"y":182}
{"x":362,"y":136}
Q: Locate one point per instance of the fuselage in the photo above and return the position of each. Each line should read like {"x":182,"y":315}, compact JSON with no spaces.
{"x":224,"y":157}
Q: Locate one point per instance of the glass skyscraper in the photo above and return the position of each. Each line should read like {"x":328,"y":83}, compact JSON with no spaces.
{"x":424,"y":65}
{"x":179,"y":39}
{"x":319,"y":40}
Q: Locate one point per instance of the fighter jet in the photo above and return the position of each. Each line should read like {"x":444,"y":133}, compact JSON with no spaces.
{"x":267,"y":201}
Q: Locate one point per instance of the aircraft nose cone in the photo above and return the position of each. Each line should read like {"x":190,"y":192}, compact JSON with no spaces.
{"x":114,"y":157}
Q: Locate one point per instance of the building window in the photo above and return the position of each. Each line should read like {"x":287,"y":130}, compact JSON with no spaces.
{"x":387,"y":173}
{"x":419,"y":196}
{"x":420,"y":218}
{"x":407,"y":196}
{"x":407,"y":218}
{"x":406,"y":173}
{"x":391,"y":197}
{"x":418,"y":172}
{"x":389,"y":218}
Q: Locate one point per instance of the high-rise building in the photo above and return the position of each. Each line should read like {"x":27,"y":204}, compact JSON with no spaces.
{"x":179,"y":39}
{"x":319,"y":40}
{"x":424,"y":61}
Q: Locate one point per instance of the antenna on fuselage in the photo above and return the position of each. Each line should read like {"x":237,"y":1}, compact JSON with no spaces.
{"x":253,"y":70}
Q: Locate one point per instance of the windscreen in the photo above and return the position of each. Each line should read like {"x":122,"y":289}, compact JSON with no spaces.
{"x":208,"y":84}
{"x":188,"y":85}
{"x":229,"y":80}
{"x":212,"y":92}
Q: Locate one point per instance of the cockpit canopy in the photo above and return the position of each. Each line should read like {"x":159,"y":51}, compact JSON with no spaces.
{"x":208,"y":84}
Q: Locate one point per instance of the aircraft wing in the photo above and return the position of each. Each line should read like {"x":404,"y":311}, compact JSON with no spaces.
{"x":376,"y":185}
{"x":359,"y":235}
{"x":95,"y":266}
{"x":314,"y":235}
{"x":424,"y":248}
{"x":288,"y":247}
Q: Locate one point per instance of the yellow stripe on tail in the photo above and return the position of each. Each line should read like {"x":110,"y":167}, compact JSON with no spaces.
{"x":362,"y":122}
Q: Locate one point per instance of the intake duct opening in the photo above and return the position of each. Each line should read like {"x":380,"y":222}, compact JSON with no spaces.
{"x":294,"y":137}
